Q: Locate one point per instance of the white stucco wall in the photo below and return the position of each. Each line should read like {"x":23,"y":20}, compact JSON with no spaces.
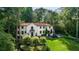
{"x":36,"y":28}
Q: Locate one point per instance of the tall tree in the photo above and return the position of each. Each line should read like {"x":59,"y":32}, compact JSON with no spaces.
{"x":27,"y":14}
{"x":67,"y":15}
{"x":40,"y":13}
{"x":10,"y":19}
{"x":7,"y":42}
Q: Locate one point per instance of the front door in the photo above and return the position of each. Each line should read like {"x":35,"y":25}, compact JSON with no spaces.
{"x":32,"y":34}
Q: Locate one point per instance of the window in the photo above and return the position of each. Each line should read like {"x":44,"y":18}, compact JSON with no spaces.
{"x":40,"y":27}
{"x":22,"y":27}
{"x":18,"y":32}
{"x":22,"y":32}
{"x":43,"y":31}
{"x":40,"y":32}
{"x":32,"y":27}
{"x":18,"y":37}
{"x":43,"y":26}
{"x":51,"y":31}
{"x":25,"y":31}
{"x":49,"y":26}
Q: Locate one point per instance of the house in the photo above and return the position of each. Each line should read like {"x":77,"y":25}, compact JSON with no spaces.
{"x":33,"y":29}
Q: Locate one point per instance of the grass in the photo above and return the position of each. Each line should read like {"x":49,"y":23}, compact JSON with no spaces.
{"x":62,"y":44}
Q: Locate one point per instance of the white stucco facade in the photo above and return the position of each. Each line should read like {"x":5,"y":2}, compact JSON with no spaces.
{"x":33,"y":29}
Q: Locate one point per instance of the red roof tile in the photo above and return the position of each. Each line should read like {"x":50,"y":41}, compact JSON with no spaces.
{"x":38,"y":24}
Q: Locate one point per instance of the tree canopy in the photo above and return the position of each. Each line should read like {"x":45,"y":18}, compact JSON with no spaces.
{"x":7,"y":42}
{"x":63,"y":22}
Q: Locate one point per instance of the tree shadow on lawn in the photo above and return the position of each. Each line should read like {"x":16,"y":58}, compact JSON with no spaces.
{"x":52,"y":39}
{"x":67,"y":42}
{"x":71,"y":44}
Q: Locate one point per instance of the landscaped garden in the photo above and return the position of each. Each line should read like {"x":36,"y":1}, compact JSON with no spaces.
{"x":35,"y":43}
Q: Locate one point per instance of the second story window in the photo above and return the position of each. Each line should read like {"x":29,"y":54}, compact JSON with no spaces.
{"x":43,"y":26}
{"x":40,"y":27}
{"x":22,"y":27}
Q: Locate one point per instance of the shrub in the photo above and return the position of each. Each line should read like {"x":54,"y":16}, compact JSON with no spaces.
{"x":26,"y":36}
{"x":43,"y":40}
{"x":33,"y":43}
{"x":26,"y":40}
{"x":35,"y":40}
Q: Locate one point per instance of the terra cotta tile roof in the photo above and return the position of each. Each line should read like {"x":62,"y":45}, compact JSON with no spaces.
{"x":38,"y":24}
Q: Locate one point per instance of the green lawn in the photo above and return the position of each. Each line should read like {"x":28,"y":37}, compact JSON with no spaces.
{"x":62,"y":44}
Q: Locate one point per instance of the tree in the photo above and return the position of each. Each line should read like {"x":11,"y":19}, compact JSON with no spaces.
{"x":9,"y":19}
{"x":27,"y":14}
{"x":40,"y":14}
{"x":52,"y":17}
{"x":7,"y":42}
{"x":67,"y":15}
